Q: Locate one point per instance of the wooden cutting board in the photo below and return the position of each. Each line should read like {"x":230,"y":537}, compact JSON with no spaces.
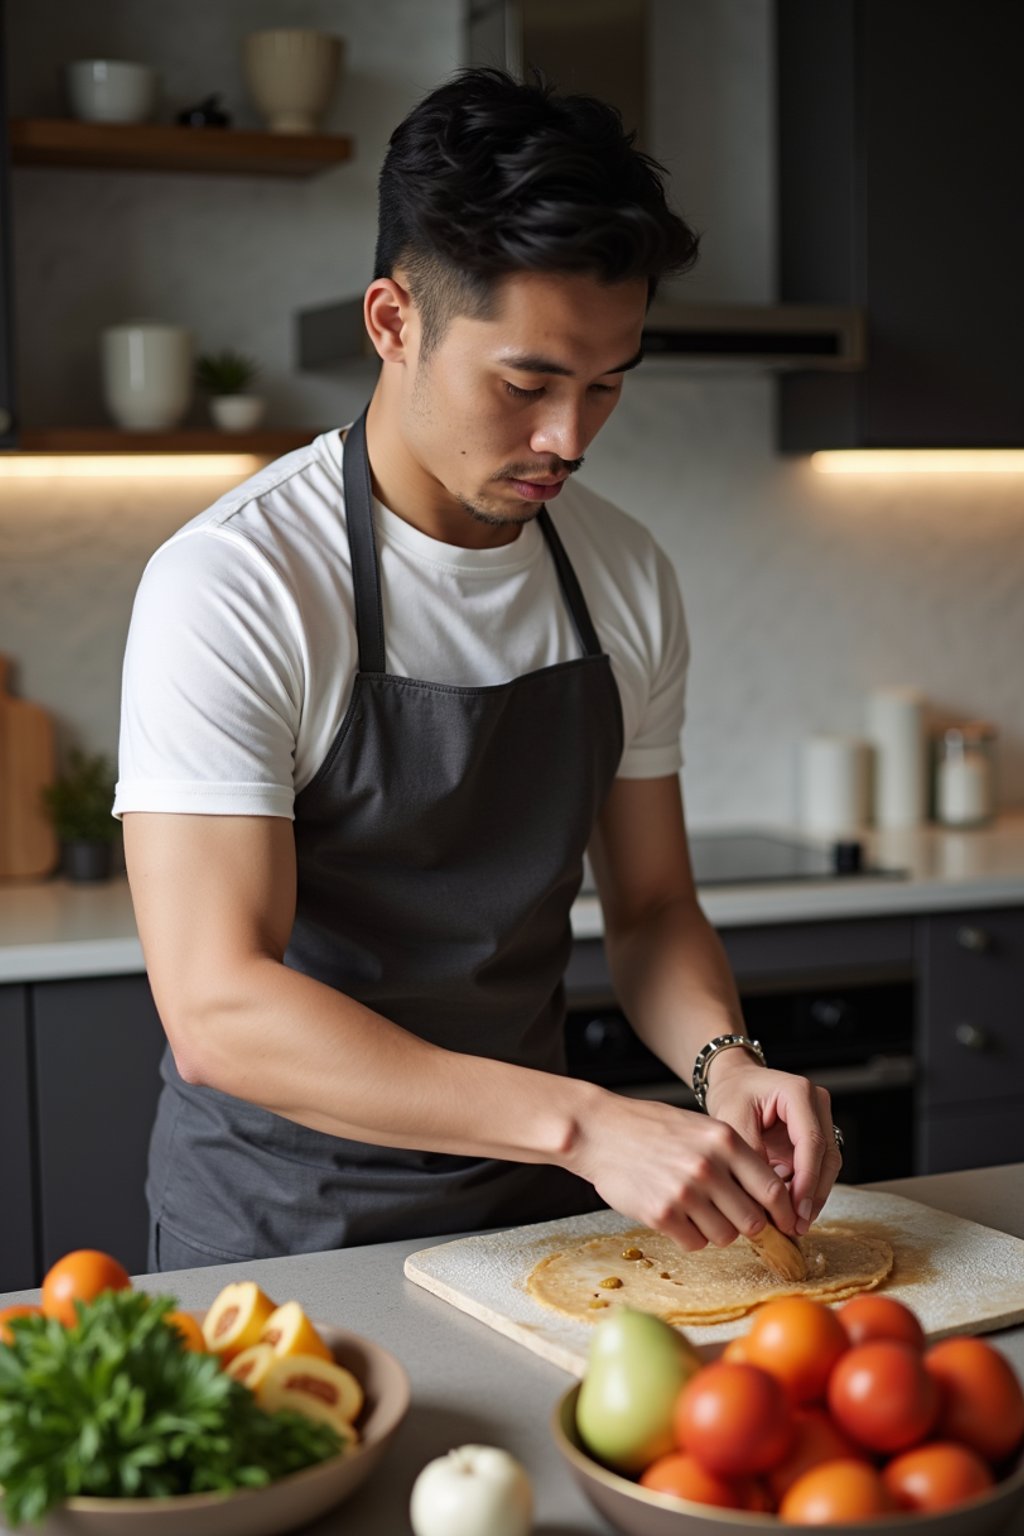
{"x":28,"y":844}
{"x":957,"y":1276}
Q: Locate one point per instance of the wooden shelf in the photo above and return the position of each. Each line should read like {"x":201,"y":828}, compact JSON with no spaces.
{"x":57,"y":141}
{"x":268,"y":444}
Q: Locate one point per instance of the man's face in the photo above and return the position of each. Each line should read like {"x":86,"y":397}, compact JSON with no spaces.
{"x":503,"y":409}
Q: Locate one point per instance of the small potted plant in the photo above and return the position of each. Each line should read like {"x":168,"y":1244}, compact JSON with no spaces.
{"x":225,"y":377}
{"x":79,"y":804}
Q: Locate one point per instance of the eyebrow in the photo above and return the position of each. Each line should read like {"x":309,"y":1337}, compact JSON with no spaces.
{"x":530,"y":362}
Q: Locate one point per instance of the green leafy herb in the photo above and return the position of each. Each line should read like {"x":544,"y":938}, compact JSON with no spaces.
{"x":117,"y":1407}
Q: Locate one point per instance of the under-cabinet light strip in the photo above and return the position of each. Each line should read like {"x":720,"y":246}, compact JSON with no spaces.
{"x":79,"y":466}
{"x":919,"y":461}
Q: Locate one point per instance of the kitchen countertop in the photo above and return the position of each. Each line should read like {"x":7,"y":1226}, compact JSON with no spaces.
{"x":469,"y":1383}
{"x":52,"y":928}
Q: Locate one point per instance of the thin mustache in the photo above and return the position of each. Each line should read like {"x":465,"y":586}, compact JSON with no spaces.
{"x":527,"y":472}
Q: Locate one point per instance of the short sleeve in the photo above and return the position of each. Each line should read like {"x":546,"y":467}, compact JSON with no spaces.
{"x":212,"y":683}
{"x":655,"y":750}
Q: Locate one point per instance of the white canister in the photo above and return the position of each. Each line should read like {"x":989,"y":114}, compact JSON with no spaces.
{"x":835,"y":784}
{"x":147,"y":374}
{"x":896,"y":729}
{"x":291,"y":73}
{"x":964,"y":775}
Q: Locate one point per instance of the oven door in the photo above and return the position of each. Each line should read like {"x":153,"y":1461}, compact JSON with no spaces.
{"x":856,"y":1042}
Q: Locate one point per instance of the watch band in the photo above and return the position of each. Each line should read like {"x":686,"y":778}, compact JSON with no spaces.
{"x":707,"y":1054}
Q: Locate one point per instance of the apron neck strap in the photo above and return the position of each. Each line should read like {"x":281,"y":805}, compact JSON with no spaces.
{"x":366,"y":572}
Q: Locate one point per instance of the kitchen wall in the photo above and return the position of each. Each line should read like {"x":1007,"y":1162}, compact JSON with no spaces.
{"x":802,"y":591}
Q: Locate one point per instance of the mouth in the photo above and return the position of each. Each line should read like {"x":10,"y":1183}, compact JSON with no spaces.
{"x":538,"y":490}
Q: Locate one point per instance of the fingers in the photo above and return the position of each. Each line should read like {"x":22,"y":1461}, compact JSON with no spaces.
{"x":726,"y":1190}
{"x":816,"y":1158}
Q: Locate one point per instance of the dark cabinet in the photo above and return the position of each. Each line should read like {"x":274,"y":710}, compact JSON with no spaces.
{"x":971,"y":984}
{"x":900,"y":138}
{"x":17,"y":1230}
{"x":98,"y":1044}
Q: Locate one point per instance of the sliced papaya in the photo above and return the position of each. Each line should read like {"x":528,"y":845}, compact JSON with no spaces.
{"x":290,"y":1332}
{"x":252,"y":1365}
{"x":315,"y":1387}
{"x":236,"y":1318}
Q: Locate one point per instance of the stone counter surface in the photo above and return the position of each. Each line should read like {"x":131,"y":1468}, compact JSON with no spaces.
{"x":51,"y":929}
{"x":469,"y":1384}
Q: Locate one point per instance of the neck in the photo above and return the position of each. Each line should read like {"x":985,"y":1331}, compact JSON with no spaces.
{"x":408,"y":489}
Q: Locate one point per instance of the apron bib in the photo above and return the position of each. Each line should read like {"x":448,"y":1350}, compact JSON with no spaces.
{"x":439,"y":849}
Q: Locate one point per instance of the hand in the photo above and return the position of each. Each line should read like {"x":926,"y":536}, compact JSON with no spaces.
{"x":786,"y":1119}
{"x":695,"y":1179}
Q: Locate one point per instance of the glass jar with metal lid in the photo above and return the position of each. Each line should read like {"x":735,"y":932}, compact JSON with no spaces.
{"x":965,"y":775}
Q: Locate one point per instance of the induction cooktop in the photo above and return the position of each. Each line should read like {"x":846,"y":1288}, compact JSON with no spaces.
{"x":743,"y":858}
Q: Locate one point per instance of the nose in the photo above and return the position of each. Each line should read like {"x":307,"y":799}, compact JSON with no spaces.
{"x":560,"y":431}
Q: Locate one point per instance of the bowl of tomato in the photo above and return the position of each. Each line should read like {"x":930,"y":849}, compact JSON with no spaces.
{"x":638,"y":1511}
{"x":816,"y":1417}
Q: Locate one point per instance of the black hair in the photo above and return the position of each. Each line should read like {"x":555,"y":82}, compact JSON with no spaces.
{"x":488,"y":176}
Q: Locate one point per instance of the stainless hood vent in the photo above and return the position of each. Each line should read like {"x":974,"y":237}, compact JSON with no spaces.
{"x":600,"y":48}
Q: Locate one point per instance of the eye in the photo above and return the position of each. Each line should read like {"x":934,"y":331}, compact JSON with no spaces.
{"x":522,"y":394}
{"x":604,"y":389}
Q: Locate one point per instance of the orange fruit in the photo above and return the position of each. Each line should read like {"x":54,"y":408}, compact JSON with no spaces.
{"x":191,"y":1332}
{"x":982,"y":1399}
{"x":936,"y":1476}
{"x":290,"y":1332}
{"x":799,"y":1341}
{"x":7,"y":1313}
{"x":81,"y":1275}
{"x":236,"y":1319}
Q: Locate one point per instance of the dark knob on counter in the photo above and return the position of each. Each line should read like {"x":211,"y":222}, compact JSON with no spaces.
{"x":970,"y":1037}
{"x":847,"y":858}
{"x":974,"y":939}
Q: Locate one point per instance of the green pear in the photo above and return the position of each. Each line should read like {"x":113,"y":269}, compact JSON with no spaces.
{"x":636,"y":1369}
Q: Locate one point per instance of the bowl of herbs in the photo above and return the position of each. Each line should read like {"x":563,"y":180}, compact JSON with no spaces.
{"x":114,"y":1428}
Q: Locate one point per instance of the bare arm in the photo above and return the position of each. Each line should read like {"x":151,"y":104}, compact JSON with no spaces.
{"x":673,"y":981}
{"x":214,"y":900}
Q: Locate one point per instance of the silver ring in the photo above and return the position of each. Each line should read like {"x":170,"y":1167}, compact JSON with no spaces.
{"x":840,"y":1140}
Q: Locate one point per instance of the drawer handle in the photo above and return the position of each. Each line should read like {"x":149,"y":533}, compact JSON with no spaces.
{"x":971,"y":1037}
{"x":974,"y":939}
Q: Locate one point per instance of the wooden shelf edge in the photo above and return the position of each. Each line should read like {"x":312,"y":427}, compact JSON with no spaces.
{"x":68,"y":143}
{"x":56,"y":440}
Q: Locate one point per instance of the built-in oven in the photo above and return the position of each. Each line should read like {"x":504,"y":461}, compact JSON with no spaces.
{"x":853,"y":1034}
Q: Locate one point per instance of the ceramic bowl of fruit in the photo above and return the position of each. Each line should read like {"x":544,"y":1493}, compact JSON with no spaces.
{"x":817,"y":1417}
{"x":245,"y":1420}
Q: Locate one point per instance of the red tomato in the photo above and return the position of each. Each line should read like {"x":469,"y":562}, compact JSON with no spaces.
{"x":866,"y":1318}
{"x":882,"y":1396}
{"x":815,"y":1439}
{"x":799,"y":1341}
{"x":936,"y":1476}
{"x":734,"y":1418}
{"x":685,"y":1478}
{"x":982,"y":1401}
{"x":6,"y":1313}
{"x":837,"y":1492}
{"x":80,"y":1276}
{"x":736,"y":1351}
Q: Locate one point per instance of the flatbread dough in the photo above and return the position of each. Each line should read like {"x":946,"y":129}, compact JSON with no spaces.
{"x":642,"y":1269}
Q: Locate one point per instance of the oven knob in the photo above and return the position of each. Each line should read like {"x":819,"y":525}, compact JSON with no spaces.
{"x":607,"y":1037}
{"x":970,"y":1037}
{"x":977,"y":940}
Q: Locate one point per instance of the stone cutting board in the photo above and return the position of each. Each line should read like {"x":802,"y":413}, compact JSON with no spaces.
{"x":958,"y":1277}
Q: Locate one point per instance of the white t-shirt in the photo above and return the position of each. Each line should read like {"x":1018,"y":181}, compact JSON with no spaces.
{"x":242,"y":647}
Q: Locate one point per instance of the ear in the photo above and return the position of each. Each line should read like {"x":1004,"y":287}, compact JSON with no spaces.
{"x":389,"y":314}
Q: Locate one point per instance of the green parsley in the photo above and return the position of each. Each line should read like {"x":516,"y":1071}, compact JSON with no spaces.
{"x":116,"y":1407}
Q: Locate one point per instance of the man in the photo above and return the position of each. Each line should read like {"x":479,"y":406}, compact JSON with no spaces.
{"x":379,"y":700}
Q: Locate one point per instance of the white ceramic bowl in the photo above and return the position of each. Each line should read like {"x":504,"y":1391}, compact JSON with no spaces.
{"x":111,"y":90}
{"x":290,"y":73}
{"x":637,"y":1512}
{"x":282,"y":1506}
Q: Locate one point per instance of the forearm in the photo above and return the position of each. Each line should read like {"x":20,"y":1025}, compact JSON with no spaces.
{"x":672,"y":979}
{"x":280,"y":1039}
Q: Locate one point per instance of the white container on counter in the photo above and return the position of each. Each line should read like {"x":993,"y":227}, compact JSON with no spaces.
{"x":896,"y":729}
{"x":965,"y":776}
{"x":147,"y":374}
{"x":835,"y":784}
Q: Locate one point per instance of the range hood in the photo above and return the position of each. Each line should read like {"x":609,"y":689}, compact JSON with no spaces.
{"x":599,"y":47}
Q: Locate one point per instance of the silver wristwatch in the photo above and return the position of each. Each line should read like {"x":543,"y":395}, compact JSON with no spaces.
{"x":707,"y":1054}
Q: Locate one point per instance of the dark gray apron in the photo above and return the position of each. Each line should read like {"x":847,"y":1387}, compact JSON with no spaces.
{"x":439,"y":849}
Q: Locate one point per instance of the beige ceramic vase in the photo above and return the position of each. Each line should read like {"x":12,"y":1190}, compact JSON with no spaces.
{"x":291,"y":73}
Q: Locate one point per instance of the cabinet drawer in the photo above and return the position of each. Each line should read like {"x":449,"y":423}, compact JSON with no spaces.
{"x":971,"y":1138}
{"x":17,"y":1257}
{"x":972,"y":1006}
